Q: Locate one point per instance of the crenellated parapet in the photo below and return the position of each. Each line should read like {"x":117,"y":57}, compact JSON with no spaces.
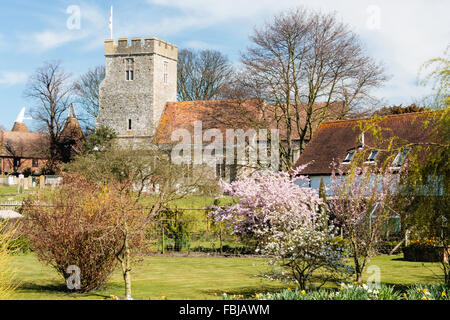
{"x":137,"y":46}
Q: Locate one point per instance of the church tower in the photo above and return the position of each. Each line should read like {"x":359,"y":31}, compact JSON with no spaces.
{"x":141,"y":77}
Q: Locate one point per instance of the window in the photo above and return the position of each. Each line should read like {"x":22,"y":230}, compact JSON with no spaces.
{"x":129,"y":124}
{"x":129,"y":69}
{"x":349,"y":156}
{"x":166,"y":66}
{"x":400,"y":157}
{"x":220,"y":170}
{"x":35,"y":163}
{"x":16,"y":162}
{"x":372,"y":156}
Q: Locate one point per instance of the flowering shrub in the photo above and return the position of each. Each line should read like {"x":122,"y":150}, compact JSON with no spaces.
{"x":355,"y":292}
{"x":80,"y":224}
{"x":433,"y":242}
{"x":361,"y":205}
{"x":268,"y":202}
{"x":287,"y":225}
{"x":305,"y":255}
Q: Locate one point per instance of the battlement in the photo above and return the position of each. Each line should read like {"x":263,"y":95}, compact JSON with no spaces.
{"x":149,"y":46}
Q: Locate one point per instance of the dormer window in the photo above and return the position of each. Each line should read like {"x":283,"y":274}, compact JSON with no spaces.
{"x":372,"y":156}
{"x":349,"y":156}
{"x":400,"y":157}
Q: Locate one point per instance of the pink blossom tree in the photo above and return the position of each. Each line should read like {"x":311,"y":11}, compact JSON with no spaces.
{"x":267,"y":203}
{"x":361,"y":203}
{"x":286,"y":222}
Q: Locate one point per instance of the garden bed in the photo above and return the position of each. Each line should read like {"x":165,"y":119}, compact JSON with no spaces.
{"x":425,"y":254}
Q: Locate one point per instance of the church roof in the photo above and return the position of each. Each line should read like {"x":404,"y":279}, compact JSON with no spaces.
{"x":227,"y":114}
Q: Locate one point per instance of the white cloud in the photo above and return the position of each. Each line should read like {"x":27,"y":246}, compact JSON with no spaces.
{"x":410,"y":32}
{"x":10,"y":78}
{"x":93,"y":24}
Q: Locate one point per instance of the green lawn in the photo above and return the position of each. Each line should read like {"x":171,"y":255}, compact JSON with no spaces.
{"x":10,"y":193}
{"x":194,"y":278}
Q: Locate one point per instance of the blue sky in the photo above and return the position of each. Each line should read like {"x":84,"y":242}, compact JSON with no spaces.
{"x":401,"y":34}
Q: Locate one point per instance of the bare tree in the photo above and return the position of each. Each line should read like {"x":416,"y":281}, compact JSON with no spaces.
{"x":304,"y":57}
{"x":202,"y":74}
{"x":86,"y":90}
{"x":49,"y":88}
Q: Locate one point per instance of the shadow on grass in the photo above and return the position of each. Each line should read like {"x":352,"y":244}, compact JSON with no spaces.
{"x":56,"y":288}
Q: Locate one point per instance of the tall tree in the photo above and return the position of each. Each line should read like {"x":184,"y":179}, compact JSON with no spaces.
{"x":439,"y":75}
{"x":202,"y":75}
{"x":50,"y":90}
{"x":86,"y":90}
{"x":302,"y":57}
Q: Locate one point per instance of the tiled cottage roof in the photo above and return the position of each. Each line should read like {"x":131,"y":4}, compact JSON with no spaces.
{"x":229,"y":114}
{"x":333,"y":140}
{"x":23,"y":144}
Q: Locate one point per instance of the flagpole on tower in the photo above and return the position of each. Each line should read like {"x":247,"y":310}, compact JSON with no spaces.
{"x":111,"y":22}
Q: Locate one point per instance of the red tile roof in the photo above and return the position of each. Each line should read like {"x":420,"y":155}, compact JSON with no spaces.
{"x":227,"y":114}
{"x":333,"y":140}
{"x":23,"y":144}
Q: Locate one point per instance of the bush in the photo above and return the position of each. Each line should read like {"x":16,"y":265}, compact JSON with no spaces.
{"x":7,"y":284}
{"x":357,"y":292}
{"x":20,"y":244}
{"x":75,"y":225}
{"x":425,"y":251}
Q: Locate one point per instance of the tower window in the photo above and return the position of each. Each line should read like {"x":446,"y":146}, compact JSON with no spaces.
{"x":166,"y":75}
{"x":129,"y":124}
{"x":129,"y":69}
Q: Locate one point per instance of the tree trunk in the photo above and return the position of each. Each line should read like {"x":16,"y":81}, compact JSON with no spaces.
{"x":126,"y":268}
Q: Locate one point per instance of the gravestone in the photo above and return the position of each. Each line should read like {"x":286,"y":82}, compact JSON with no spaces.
{"x":41,"y":182}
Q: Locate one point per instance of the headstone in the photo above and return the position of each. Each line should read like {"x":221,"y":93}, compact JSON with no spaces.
{"x":26,"y":183}
{"x":11,"y":181}
{"x":21,"y":183}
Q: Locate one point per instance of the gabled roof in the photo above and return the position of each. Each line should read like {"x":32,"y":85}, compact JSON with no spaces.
{"x":333,"y":140}
{"x":229,"y":114}
{"x":23,"y":144}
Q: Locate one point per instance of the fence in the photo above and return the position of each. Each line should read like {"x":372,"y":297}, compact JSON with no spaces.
{"x":191,"y":230}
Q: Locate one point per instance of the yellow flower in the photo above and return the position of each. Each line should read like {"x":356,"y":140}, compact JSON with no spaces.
{"x":303,"y":292}
{"x":425,"y":290}
{"x":418,"y":290}
{"x":443,"y":293}
{"x":289,"y":289}
{"x":404,"y":294}
{"x":163,"y":298}
{"x":424,"y":298}
{"x":355,"y":283}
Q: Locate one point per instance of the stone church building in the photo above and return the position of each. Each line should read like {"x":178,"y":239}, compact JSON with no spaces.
{"x":138,"y":99}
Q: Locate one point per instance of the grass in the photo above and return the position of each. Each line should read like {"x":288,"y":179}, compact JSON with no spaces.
{"x":194,"y":278}
{"x":10,"y":193}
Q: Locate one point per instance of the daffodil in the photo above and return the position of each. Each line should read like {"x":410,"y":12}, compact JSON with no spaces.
{"x":444,"y":294}
{"x":303,"y":292}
